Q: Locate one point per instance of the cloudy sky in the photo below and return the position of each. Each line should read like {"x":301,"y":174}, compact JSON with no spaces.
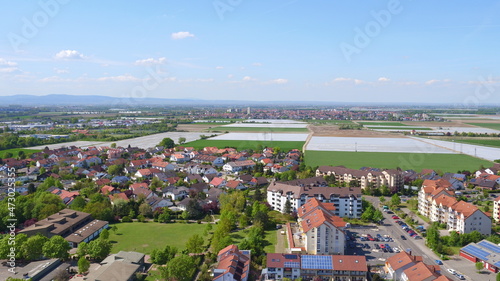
{"x":383,"y":51}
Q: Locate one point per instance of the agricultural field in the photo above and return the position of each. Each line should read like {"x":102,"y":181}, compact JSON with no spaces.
{"x":476,"y":141}
{"x":331,"y":122}
{"x":484,"y":152}
{"x":392,"y":124}
{"x":15,"y":151}
{"x":144,"y":237}
{"x":267,"y":125}
{"x":370,"y":144}
{"x":257,"y":129}
{"x":241,"y":144}
{"x":398,"y":128}
{"x":390,"y":160}
{"x":261,"y":137}
{"x":494,"y":126}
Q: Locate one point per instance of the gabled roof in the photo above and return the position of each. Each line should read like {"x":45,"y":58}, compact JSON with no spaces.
{"x":402,"y":259}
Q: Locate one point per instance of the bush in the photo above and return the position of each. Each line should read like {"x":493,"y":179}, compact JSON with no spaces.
{"x":126,"y":219}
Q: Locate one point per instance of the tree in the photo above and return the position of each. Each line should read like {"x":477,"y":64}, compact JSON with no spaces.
{"x":167,"y":143}
{"x":395,"y":200}
{"x":82,"y":249}
{"x":83,"y":265}
{"x":78,"y":203}
{"x":56,"y":247}
{"x":194,"y":209}
{"x":104,"y":234}
{"x":368,"y":214}
{"x":498,"y":277}
{"x":182,"y":140}
{"x":32,"y":248}
{"x":288,"y":207}
{"x":377,"y":216}
{"x":113,"y":145}
{"x":479,"y":266}
{"x":161,"y":257}
{"x":195,"y":244}
{"x":114,"y":170}
{"x":180,"y":268}
{"x":99,"y":248}
{"x":145,"y":210}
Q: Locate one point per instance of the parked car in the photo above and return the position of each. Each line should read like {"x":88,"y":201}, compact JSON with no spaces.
{"x":460,"y":276}
{"x":395,"y":217}
{"x":452,"y":271}
{"x":439,"y":262}
{"x":417,"y":237}
{"x":403,"y":237}
{"x":377,"y":246}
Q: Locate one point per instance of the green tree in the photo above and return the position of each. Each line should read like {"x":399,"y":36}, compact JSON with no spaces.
{"x":479,"y":266}
{"x":498,"y":277}
{"x":114,"y":170}
{"x":83,"y":265}
{"x":99,"y":248}
{"x":78,"y":203}
{"x":56,"y":247}
{"x":182,"y":140}
{"x":82,"y":249}
{"x":367,"y":215}
{"x":104,"y":234}
{"x":167,"y":143}
{"x":395,"y":200}
{"x":145,"y":210}
{"x":161,"y":257}
{"x":195,"y":244}
{"x":288,"y":207}
{"x":32,"y":248}
{"x":113,"y":145}
{"x":5,"y":246}
{"x":384,"y":190}
{"x":180,"y":268}
{"x":377,"y":216}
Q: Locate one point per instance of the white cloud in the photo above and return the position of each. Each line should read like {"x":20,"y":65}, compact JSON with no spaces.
{"x":230,"y":76}
{"x":248,"y":78}
{"x":181,"y":35}
{"x":4,"y":62}
{"x":343,"y":79}
{"x":120,"y":78}
{"x":7,"y":66}
{"x":219,"y":67}
{"x":257,"y":64}
{"x":151,"y":61}
{"x":61,"y":70}
{"x":384,"y":79}
{"x":279,"y":81}
{"x":436,"y":81}
{"x":70,"y":55}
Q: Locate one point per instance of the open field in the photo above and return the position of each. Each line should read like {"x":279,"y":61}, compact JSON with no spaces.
{"x":476,"y":141}
{"x":360,"y":144}
{"x":415,"y":161}
{"x":266,"y":125}
{"x":331,"y":122}
{"x":494,"y":126}
{"x":261,"y":137}
{"x":141,"y":142}
{"x":15,"y":151}
{"x":274,"y":121}
{"x":241,"y":145}
{"x":257,"y":129}
{"x":144,"y":237}
{"x":392,"y":124}
{"x":488,"y":153}
{"x":398,"y":128}
{"x":334,"y":131}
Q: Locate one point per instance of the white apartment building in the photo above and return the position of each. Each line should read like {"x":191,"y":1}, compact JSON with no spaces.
{"x":322,"y":231}
{"x":496,"y":209}
{"x":347,"y":200}
{"x":391,"y":178}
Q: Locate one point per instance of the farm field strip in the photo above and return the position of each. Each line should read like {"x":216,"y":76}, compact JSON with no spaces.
{"x":274,"y":121}
{"x":476,"y":130}
{"x":386,"y":124}
{"x":389,"y":160}
{"x":261,"y":137}
{"x":488,"y":153}
{"x":493,"y":126}
{"x":382,"y":128}
{"x":266,"y":125}
{"x":403,"y":145}
{"x":258,"y":129}
{"x":242,"y":145}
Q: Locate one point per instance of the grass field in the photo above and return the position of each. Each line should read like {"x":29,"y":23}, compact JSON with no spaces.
{"x":259,"y":129}
{"x":145,"y":237}
{"x":390,"y":160}
{"x":15,"y":151}
{"x":397,"y":124}
{"x":478,"y":141}
{"x":242,"y":144}
{"x":398,"y":128}
{"x":330,"y":122}
{"x":494,"y":126}
{"x":270,"y":237}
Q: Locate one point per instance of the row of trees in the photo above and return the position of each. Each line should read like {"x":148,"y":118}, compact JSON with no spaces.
{"x":35,"y":247}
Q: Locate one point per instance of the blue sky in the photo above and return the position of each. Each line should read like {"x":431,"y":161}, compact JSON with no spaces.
{"x":344,"y":51}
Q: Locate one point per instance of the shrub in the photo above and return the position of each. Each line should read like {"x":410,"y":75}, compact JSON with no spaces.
{"x":126,"y":219}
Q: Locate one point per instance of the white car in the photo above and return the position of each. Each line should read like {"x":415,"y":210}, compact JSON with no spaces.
{"x":452,"y":271}
{"x":460,"y":276}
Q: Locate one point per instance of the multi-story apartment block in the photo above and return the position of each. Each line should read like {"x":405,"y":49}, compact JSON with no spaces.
{"x":439,"y":204}
{"x":322,"y":231}
{"x":338,"y":267}
{"x":347,"y":200}
{"x":496,"y":209}
{"x":364,"y":178}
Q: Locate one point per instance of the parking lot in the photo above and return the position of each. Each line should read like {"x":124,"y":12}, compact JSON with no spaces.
{"x":372,"y":242}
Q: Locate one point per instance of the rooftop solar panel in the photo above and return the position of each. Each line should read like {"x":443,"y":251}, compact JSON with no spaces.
{"x":291,"y":257}
{"x":497,"y":264}
{"x":316,"y":262}
{"x":473,"y":250}
{"x":490,"y":246}
{"x":292,"y":264}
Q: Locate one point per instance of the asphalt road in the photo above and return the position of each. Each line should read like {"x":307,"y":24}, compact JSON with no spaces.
{"x":419,"y":248}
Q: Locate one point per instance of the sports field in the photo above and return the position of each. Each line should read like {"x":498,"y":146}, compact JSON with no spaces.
{"x":144,"y":237}
{"x":391,"y":160}
{"x":242,"y":144}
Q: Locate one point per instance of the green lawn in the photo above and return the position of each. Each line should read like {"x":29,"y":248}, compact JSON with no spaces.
{"x":398,"y":128}
{"x":382,"y":124}
{"x":242,"y":144}
{"x":15,"y":151}
{"x":415,"y":161}
{"x":258,"y":129}
{"x":270,"y":237}
{"x":494,"y":126}
{"x":144,"y":237}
